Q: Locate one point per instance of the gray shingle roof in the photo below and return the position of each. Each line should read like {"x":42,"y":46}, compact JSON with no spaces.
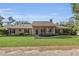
{"x":42,"y":23}
{"x":19,"y":26}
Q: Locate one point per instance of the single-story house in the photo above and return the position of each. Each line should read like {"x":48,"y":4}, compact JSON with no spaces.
{"x":36,"y":28}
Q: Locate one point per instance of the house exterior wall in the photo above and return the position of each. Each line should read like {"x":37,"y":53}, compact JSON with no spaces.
{"x":19,"y":31}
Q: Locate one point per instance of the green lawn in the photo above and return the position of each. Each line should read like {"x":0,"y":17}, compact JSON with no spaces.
{"x":16,"y":41}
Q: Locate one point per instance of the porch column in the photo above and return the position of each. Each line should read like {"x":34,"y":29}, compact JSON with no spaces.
{"x":47,"y":30}
{"x":33,"y":31}
{"x":39,"y":31}
{"x":9,"y":32}
{"x":30,"y":30}
{"x":53,"y":30}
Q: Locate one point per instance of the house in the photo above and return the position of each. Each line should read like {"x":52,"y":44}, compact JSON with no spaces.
{"x":36,"y":28}
{"x":19,"y":29}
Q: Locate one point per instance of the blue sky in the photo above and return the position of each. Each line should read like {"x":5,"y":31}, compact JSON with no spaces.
{"x":37,"y":11}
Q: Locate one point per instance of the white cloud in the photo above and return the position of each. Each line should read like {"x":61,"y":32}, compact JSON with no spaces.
{"x":4,"y":11}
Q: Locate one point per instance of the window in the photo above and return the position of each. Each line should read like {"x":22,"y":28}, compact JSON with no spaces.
{"x":43,"y":30}
{"x":50,"y":30}
{"x":13,"y":30}
{"x":26,"y":30}
{"x":57,"y":30}
{"x":19,"y":29}
{"x":65,"y":30}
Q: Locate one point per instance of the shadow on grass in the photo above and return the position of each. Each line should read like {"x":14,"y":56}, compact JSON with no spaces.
{"x":54,"y":37}
{"x":45,"y":37}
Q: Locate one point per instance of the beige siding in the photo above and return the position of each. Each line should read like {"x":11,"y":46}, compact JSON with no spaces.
{"x":19,"y":31}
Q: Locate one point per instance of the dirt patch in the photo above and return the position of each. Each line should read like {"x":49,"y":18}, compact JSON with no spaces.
{"x":40,"y":51}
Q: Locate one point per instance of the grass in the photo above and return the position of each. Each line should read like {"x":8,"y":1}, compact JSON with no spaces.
{"x":23,"y":41}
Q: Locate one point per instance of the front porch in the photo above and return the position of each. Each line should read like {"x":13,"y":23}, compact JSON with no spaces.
{"x":44,"y":31}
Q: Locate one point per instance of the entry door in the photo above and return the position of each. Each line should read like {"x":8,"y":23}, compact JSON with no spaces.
{"x":36,"y":32}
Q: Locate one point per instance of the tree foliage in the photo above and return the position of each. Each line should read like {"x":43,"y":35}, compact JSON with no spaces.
{"x":1,"y":18}
{"x":11,"y":20}
{"x":75,"y":10}
{"x":72,"y":25}
{"x":22,"y":22}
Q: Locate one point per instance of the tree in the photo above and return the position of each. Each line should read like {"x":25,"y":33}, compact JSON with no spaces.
{"x":1,"y":18}
{"x":57,"y":23}
{"x":75,"y":10}
{"x":62,"y":23}
{"x":11,"y":20}
{"x":72,"y":25}
{"x":22,"y":22}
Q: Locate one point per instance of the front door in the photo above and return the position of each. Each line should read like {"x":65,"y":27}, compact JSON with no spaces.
{"x":36,"y":32}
